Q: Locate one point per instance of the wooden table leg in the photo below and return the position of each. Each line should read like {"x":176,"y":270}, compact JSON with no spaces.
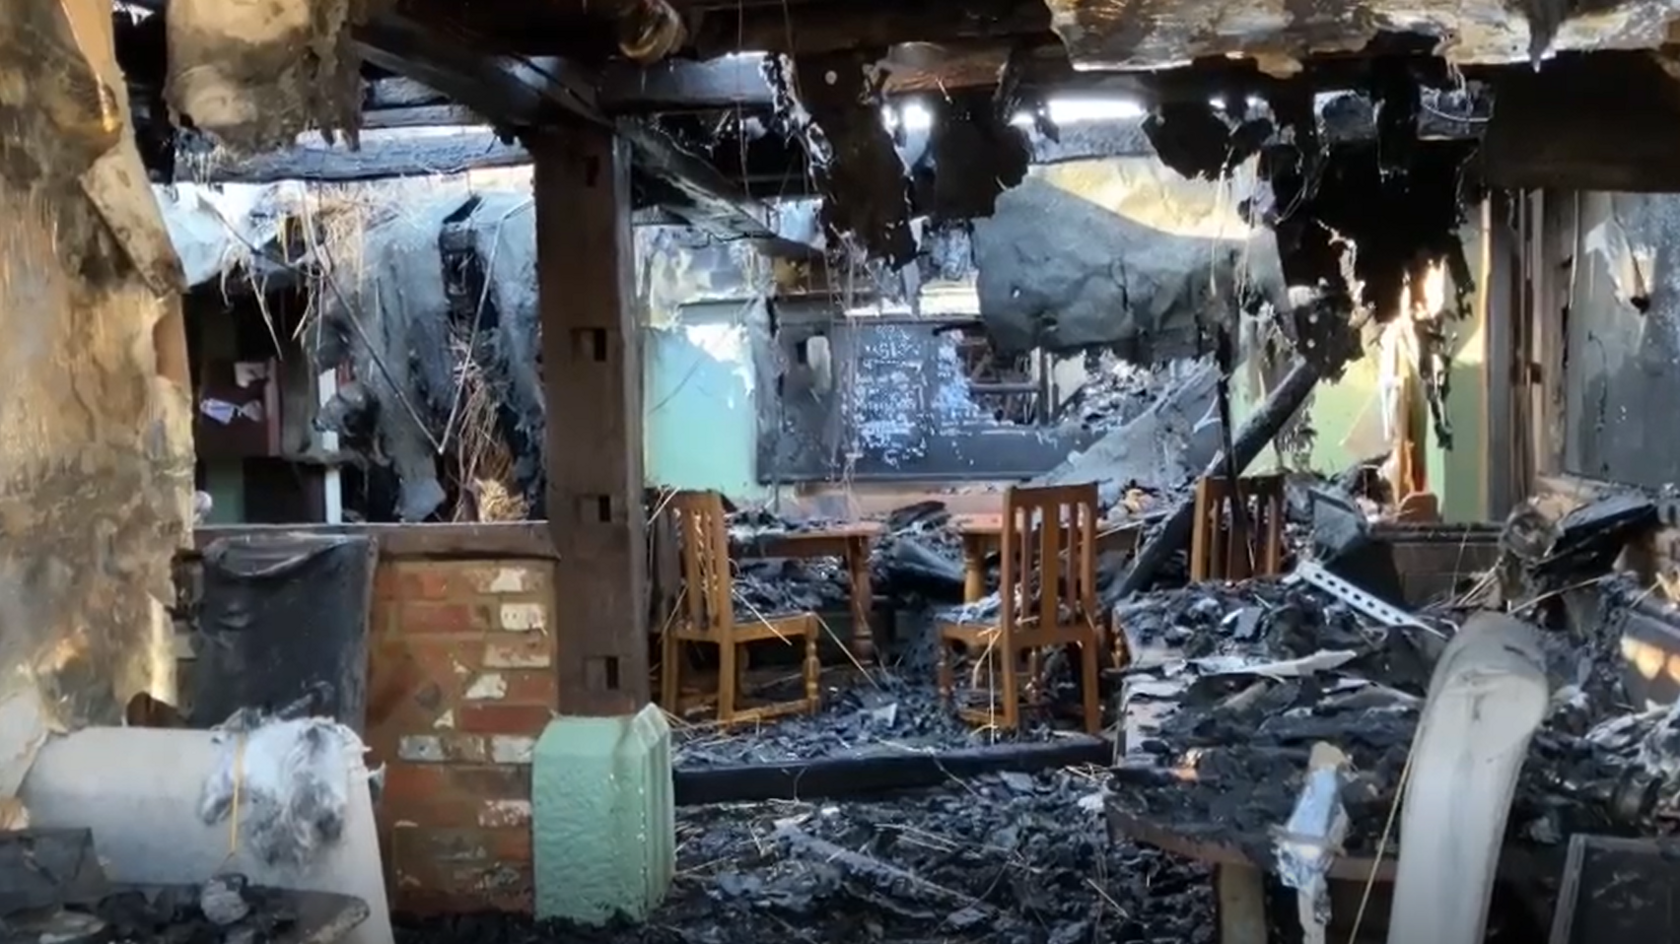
{"x":974,"y":568}
{"x":863,"y":599}
{"x":1241,"y":894}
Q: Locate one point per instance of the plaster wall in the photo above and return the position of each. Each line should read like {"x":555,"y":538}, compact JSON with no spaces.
{"x":1622,"y":335}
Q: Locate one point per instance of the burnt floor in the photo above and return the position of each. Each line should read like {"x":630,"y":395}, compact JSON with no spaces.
{"x":1013,"y":859}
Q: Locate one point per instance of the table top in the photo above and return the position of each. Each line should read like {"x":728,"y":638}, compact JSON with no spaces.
{"x":845,"y":529}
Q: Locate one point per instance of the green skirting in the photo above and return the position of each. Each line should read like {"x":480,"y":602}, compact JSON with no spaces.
{"x":603,"y":825}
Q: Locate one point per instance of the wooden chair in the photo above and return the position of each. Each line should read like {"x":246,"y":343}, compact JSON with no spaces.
{"x":705,"y":613}
{"x":1047,"y":597}
{"x":1215,"y":554}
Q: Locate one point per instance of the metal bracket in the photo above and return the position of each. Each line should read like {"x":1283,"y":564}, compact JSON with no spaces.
{"x":1313,"y":574}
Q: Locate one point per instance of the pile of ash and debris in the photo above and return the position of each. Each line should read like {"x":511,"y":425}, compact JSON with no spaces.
{"x":1009,"y":859}
{"x":53,"y":888}
{"x":1232,"y":686}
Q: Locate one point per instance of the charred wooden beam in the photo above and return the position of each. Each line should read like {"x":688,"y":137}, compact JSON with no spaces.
{"x":421,"y":116}
{"x":422,"y":156}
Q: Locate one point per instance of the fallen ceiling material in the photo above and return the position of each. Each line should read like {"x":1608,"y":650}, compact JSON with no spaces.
{"x":1059,"y":271}
{"x":385,"y":309}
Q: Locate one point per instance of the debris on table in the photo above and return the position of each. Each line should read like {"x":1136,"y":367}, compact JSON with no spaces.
{"x":1009,"y":859}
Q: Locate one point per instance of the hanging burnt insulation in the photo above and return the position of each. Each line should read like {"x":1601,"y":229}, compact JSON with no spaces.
{"x":1198,"y":140}
{"x":834,"y":104}
{"x":973,"y":154}
{"x":1359,"y":232}
{"x":392,"y":305}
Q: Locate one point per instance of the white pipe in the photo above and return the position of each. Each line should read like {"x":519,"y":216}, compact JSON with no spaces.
{"x":332,"y":488}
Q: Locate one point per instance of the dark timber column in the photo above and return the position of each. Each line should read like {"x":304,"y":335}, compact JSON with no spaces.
{"x":602,"y":817}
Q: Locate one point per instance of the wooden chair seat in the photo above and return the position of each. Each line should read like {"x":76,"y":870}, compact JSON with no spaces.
{"x":1048,"y":600}
{"x":706,"y":616}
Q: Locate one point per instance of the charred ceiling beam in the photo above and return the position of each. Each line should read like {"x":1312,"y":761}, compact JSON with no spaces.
{"x":737,"y":81}
{"x":514,"y":92}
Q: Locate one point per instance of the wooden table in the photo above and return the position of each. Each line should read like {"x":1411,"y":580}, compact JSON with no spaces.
{"x":983,"y":534}
{"x":850,"y":543}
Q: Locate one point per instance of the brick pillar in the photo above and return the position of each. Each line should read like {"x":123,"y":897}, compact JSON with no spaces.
{"x":603,"y":828}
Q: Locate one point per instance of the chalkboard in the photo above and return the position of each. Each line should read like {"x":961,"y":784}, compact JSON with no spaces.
{"x":897,"y":406}
{"x":1619,"y":890}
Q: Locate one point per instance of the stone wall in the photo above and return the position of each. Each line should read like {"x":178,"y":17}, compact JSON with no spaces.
{"x":461,"y":683}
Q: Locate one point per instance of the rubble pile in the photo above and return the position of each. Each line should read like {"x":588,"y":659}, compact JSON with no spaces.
{"x":1240,"y":681}
{"x":1114,"y":392}
{"x":1008,"y":859}
{"x":771,"y":586}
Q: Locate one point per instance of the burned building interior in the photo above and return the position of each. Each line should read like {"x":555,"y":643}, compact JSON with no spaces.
{"x":1026,"y":471}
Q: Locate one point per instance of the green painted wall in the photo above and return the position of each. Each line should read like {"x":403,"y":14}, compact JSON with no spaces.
{"x":700,"y":425}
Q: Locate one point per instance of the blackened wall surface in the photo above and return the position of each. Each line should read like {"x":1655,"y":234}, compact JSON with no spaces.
{"x":1621,"y":337}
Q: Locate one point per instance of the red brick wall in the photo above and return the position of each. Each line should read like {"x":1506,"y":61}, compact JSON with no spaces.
{"x":461,"y":683}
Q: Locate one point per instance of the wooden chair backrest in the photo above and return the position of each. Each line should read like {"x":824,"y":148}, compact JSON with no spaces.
{"x":1049,"y":552}
{"x":703,"y":537}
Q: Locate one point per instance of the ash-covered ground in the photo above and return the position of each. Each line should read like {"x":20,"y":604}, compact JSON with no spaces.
{"x":1010,"y":859}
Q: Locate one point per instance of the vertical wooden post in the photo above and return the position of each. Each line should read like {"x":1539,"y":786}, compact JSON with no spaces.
{"x":592,"y":379}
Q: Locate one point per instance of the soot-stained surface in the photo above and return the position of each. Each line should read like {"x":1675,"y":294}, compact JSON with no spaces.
{"x":1012,"y":859}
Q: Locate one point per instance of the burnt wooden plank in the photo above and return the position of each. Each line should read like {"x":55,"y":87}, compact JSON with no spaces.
{"x":592,"y":381}
{"x":514,"y":92}
{"x":421,"y":116}
{"x":517,"y":539}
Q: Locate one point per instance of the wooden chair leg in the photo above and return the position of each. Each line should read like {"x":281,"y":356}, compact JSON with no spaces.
{"x":670,"y":672}
{"x":1090,"y":682}
{"x":813,"y":669}
{"x":1122,"y":651}
{"x":1200,"y":551}
{"x":946,"y":676}
{"x":727,"y":650}
{"x":1008,"y":659}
